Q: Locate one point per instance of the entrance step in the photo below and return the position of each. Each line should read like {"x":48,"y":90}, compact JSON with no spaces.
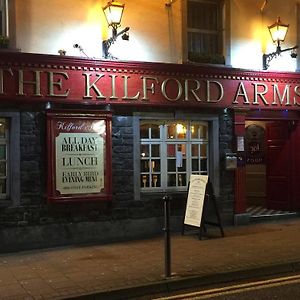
{"x":260,"y":213}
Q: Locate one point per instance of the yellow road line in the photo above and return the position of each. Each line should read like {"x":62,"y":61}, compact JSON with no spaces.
{"x":234,"y":289}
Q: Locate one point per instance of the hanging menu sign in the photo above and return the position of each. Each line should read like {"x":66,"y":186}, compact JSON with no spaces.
{"x":195,"y":200}
{"x":79,"y":157}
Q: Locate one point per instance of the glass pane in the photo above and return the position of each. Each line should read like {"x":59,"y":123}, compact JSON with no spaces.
{"x":171,"y":150}
{"x":155,"y":151}
{"x":195,"y":164}
{"x":203,"y":150}
{"x":203,"y":132}
{"x":181,"y":130}
{"x":144,"y":131}
{"x":156,"y":165}
{"x":182,"y":180}
{"x":2,"y":186}
{"x":171,"y":180}
{"x":144,"y":165}
{"x":144,"y":150}
{"x":195,"y":150}
{"x":171,"y":165}
{"x":203,"y":43}
{"x":182,"y":167}
{"x":203,"y":164}
{"x":3,"y":127}
{"x":151,"y":165}
{"x":195,"y":131}
{"x":156,"y":180}
{"x":155,"y":132}
{"x":203,"y":15}
{"x":2,"y":151}
{"x":181,"y":148}
{"x":171,"y":131}
{"x":144,"y":181}
{"x":3,"y":168}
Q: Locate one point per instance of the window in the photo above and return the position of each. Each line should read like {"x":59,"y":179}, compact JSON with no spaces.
{"x":4,"y":138}
{"x":204,"y":31}
{"x":170,"y":151}
{"x":3,"y":18}
{"x":9,"y":158}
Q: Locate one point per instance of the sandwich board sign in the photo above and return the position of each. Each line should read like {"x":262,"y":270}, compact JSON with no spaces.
{"x":195,"y":200}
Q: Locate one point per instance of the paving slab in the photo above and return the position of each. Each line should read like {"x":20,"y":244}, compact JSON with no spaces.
{"x":118,"y":270}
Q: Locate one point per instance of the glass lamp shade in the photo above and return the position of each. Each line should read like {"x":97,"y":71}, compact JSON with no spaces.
{"x":113,"y":12}
{"x":278,"y":31}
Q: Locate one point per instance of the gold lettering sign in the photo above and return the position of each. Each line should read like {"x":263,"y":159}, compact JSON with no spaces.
{"x":36,"y":82}
{"x":57,"y":83}
{"x":111,"y":86}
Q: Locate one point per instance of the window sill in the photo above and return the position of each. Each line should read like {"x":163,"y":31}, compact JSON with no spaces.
{"x":10,"y":49}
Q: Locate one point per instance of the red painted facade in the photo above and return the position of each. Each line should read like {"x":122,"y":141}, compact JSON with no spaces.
{"x":31,"y":78}
{"x":40,"y":78}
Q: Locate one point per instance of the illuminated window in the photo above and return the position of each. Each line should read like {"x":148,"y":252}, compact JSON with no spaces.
{"x":170,"y":151}
{"x":204,"y":31}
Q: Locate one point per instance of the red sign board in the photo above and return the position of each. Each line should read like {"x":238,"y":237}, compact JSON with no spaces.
{"x":41,"y":78}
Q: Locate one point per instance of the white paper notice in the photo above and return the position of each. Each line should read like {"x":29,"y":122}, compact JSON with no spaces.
{"x":195,"y":200}
{"x":179,"y":159}
{"x":240,"y":143}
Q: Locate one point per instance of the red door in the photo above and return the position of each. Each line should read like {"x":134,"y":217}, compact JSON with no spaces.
{"x":278,"y":169}
{"x":295,"y":162}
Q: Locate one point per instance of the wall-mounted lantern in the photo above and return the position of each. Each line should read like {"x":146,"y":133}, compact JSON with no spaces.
{"x":278,"y":32}
{"x":113,"y":12}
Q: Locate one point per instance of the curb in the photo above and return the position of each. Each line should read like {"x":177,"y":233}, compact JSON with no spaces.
{"x":174,"y":284}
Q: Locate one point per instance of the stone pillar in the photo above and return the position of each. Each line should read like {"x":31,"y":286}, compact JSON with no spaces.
{"x":240,"y":204}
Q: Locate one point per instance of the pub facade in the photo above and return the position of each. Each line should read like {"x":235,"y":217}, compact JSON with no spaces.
{"x":90,"y":146}
{"x":93,"y":146}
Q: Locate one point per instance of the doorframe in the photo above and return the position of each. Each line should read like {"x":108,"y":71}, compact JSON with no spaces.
{"x":240,"y":116}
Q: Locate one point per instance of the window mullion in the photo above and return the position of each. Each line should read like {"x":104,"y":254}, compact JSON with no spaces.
{"x":164,"y":161}
{"x":188,"y":157}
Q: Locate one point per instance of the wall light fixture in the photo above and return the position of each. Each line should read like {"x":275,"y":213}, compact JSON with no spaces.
{"x":278,"y":32}
{"x":113,"y":12}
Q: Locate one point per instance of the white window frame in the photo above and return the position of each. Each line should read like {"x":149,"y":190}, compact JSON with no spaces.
{"x":13,"y":164}
{"x":213,"y":148}
{"x":4,"y":141}
{"x":165,"y":161}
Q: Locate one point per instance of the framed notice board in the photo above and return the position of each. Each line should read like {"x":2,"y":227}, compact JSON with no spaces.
{"x":79,"y":156}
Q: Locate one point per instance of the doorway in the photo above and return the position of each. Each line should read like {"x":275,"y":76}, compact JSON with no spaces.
{"x":272,"y":166}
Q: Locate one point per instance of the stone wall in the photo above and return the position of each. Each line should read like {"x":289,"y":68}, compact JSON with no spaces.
{"x":33,"y":158}
{"x":34,"y":218}
{"x":226,"y":176}
{"x":122,"y":159}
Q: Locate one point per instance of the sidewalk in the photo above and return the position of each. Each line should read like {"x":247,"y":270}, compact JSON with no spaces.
{"x":138,"y":266}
